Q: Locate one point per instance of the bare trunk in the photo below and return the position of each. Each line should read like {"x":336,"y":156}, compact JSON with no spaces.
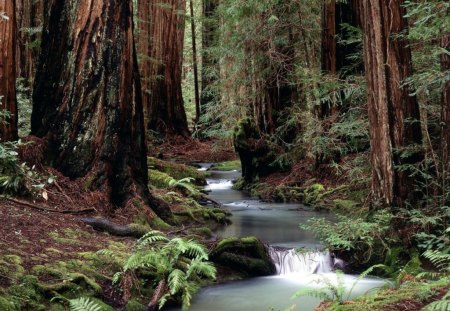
{"x":144,"y":49}
{"x":209,"y":64}
{"x":445,"y":115}
{"x":8,"y":102}
{"x":391,"y":109}
{"x":87,"y":98}
{"x":166,"y":112}
{"x":29,"y":16}
{"x":194,"y":61}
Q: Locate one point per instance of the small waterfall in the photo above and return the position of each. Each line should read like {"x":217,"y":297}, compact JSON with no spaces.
{"x":221,"y":184}
{"x":290,"y":261}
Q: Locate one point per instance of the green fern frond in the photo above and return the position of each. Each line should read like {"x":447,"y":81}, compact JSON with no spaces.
{"x":200,"y":267}
{"x":320,"y":293}
{"x":117,"y":277}
{"x":196,"y":250}
{"x":177,"y":280}
{"x":438,"y":258}
{"x":83,"y":304}
{"x":151,"y":237}
{"x":440,"y":305}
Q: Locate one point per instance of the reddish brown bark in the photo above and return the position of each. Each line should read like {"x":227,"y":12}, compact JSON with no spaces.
{"x":8,"y":102}
{"x":166,"y":112}
{"x":29,"y":16}
{"x":391,"y":109}
{"x":334,"y":55}
{"x":87,"y":98}
{"x":144,"y":50}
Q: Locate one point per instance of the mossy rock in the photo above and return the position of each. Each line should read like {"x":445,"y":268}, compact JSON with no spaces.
{"x":7,"y":304}
{"x":177,"y":171}
{"x":313,"y":194}
{"x":226,"y":166}
{"x":246,"y":255}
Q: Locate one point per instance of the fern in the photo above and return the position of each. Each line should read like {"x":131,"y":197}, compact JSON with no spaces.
{"x":83,"y":304}
{"x":440,"y":305}
{"x":177,"y":280}
{"x":439,"y":259}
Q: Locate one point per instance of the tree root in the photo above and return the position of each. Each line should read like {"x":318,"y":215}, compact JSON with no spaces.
{"x":105,"y":225}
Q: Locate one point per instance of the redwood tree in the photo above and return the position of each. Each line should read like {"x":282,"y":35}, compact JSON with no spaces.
{"x":393,"y":113}
{"x":8,"y":102}
{"x":335,"y":56}
{"x":29,"y":17}
{"x":445,"y":114}
{"x":87,"y":98}
{"x":165,"y":105}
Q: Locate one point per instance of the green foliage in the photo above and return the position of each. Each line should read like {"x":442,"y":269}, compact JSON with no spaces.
{"x":179,"y":262}
{"x":83,"y":304}
{"x":16,"y":177}
{"x":336,"y":292}
{"x":365,"y":238}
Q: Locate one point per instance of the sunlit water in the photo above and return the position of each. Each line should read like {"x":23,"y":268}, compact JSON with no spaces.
{"x":276,"y":224}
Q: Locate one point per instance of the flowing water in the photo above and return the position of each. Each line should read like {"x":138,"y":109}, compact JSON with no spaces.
{"x":277,"y":225}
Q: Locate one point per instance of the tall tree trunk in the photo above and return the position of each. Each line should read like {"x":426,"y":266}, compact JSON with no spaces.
{"x":144,"y":49}
{"x":87,"y":98}
{"x":165,"y":107}
{"x":29,"y":17}
{"x":445,"y":115}
{"x":391,"y":109}
{"x":209,"y":64}
{"x":8,"y":102}
{"x":334,"y":55}
{"x":195,"y":63}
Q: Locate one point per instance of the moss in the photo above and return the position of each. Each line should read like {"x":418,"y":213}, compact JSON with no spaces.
{"x":313,"y":194}
{"x":159,"y":224}
{"x":345,"y":205}
{"x":246,"y":255}
{"x":56,"y":236}
{"x":177,"y":171}
{"x":411,"y":294}
{"x":226,"y":166}
{"x":159,"y":179}
{"x":202,"y":231}
{"x":27,"y":294}
{"x":6,"y":304}
{"x":135,"y":305}
{"x":11,"y":268}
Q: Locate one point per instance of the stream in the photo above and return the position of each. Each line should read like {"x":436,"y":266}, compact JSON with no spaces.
{"x":277,"y":225}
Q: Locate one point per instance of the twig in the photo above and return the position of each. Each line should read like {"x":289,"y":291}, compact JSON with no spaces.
{"x":62,"y":191}
{"x":31,"y":205}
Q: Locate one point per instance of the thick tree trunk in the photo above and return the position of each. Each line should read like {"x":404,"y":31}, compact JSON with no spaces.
{"x":87,"y":98}
{"x":166,"y":112}
{"x":29,"y":16}
{"x":8,"y":102}
{"x":391,"y":109}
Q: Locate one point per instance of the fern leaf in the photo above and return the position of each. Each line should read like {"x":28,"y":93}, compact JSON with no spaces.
{"x":320,"y":293}
{"x":177,"y":280}
{"x":440,"y":305}
{"x":83,"y":304}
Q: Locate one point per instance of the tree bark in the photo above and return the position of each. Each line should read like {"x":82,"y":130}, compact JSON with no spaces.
{"x":391,"y":109}
{"x":8,"y":101}
{"x":87,"y":98}
{"x":445,"y":114}
{"x":334,"y":55}
{"x":29,"y":17}
{"x":209,"y":63}
{"x":166,"y":112}
{"x":195,"y":63}
{"x":144,"y":49}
